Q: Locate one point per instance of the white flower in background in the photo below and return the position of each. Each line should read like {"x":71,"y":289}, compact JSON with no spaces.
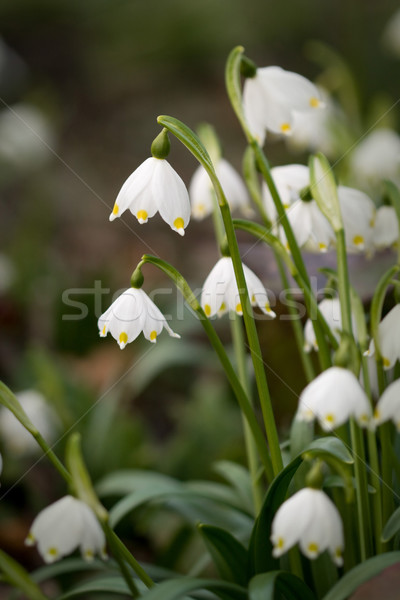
{"x":64,"y":526}
{"x":332,"y":398}
{"x":391,"y":34}
{"x":311,"y":229}
{"x":330,"y":310}
{"x":358,"y":214}
{"x":388,"y":406}
{"x":389,"y":338}
{"x":17,"y":439}
{"x":130,"y":314}
{"x":272,"y":96}
{"x":25,"y":136}
{"x":311,"y":519}
{"x":377,"y":157}
{"x":386,"y":230}
{"x":201,"y":191}
{"x":155,"y":186}
{"x":220,"y":292}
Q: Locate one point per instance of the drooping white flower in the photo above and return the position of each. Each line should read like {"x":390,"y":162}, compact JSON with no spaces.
{"x":155,"y":186}
{"x":358,"y":214}
{"x":271,"y":97}
{"x":386,"y":229}
{"x":220,"y":292}
{"x":389,"y":338}
{"x":201,"y":191}
{"x":377,"y":157}
{"x":330,"y":310}
{"x":388,"y":406}
{"x":15,"y":436}
{"x":130,"y":314}
{"x":64,"y":526}
{"x":311,"y":519}
{"x":311,"y":229}
{"x":332,"y":398}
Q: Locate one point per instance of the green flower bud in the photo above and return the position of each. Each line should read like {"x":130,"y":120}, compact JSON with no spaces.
{"x":161,"y":145}
{"x":137,"y":278}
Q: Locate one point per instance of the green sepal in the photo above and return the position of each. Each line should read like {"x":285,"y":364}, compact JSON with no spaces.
{"x":161,"y":145}
{"x":16,"y":575}
{"x":248,"y":68}
{"x":137,"y":278}
{"x":81,"y":482}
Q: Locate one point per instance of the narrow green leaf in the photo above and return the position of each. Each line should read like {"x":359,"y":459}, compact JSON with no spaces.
{"x":178,"y":588}
{"x":392,"y":526}
{"x":229,"y":556}
{"x":330,"y":446}
{"x":113,"y":585}
{"x":188,"y":139}
{"x":233,"y":85}
{"x":239,"y":477}
{"x":265,"y":586}
{"x":361,"y":573}
{"x":16,"y":575}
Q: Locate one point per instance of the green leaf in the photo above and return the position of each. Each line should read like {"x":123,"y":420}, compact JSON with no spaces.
{"x":178,"y":588}
{"x":113,"y":584}
{"x":265,"y":586}
{"x":16,"y":575}
{"x":239,"y":477}
{"x":260,"y":548}
{"x":188,"y":139}
{"x":69,"y":565}
{"x":392,"y":526}
{"x":324,"y":190}
{"x":229,"y":556}
{"x":361,"y":573}
{"x":233,"y":85}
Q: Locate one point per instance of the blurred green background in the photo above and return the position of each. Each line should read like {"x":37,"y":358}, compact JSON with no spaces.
{"x":81,"y":85}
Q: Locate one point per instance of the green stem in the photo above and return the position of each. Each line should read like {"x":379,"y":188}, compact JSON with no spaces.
{"x":53,"y":458}
{"x":385,"y":437}
{"x":251,"y":448}
{"x":216,"y":343}
{"x":357,"y":443}
{"x":121,"y":563}
{"x":124,"y":553}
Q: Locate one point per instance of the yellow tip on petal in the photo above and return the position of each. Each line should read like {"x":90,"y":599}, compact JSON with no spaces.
{"x":89,"y":554}
{"x":285,"y":128}
{"x":179,"y":224}
{"x":386,"y":362}
{"x":153,"y":336}
{"x":52,"y":553}
{"x":207,"y":310}
{"x":280,"y":544}
{"x":358,"y":240}
{"x":267,"y":307}
{"x":30,"y":539}
{"x":222,"y":307}
{"x":314,"y":102}
{"x":330,"y":418}
{"x":322,"y":247}
{"x":123,"y":339}
{"x":313,"y":548}
{"x":239,"y":309}
{"x":142,"y":216}
{"x":377,"y":414}
{"x":114,"y":213}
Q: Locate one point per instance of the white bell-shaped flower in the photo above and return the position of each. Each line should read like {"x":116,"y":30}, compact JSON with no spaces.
{"x":130,"y":314}
{"x":272,"y":96}
{"x":388,"y":406}
{"x":64,"y":526}
{"x":311,"y":519}
{"x":377,"y":157}
{"x":358,"y":214}
{"x":155,"y":186}
{"x":330,"y":310}
{"x":332,"y":398}
{"x":311,"y":229}
{"x":389,"y":338}
{"x":201,"y":191}
{"x":220,"y":292}
{"x":386,"y":229}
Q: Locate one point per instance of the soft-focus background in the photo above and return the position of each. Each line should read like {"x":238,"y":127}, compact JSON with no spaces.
{"x":81,"y":85}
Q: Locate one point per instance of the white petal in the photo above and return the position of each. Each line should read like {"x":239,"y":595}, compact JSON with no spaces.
{"x":171,"y":196}
{"x":201,"y":194}
{"x":92,"y":539}
{"x":155,"y":321}
{"x":358,"y":213}
{"x":232,"y":184}
{"x":138,"y":181}
{"x":257,"y":293}
{"x":254,"y":108}
{"x":389,"y":337}
{"x":386,"y":229}
{"x":291,"y":89}
{"x":126,"y":317}
{"x":388,"y":406}
{"x":213,"y":295}
{"x":291,"y":520}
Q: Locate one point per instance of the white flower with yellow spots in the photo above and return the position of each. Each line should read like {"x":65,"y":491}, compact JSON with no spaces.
{"x":311,"y":229}
{"x":271,"y":98}
{"x":332,"y":398}
{"x":220,"y":292}
{"x":64,"y":526}
{"x":311,"y":519}
{"x":389,"y":338}
{"x":155,"y":186}
{"x":130,"y":314}
{"x":358,"y":214}
{"x":388,"y":406}
{"x":201,"y":191}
